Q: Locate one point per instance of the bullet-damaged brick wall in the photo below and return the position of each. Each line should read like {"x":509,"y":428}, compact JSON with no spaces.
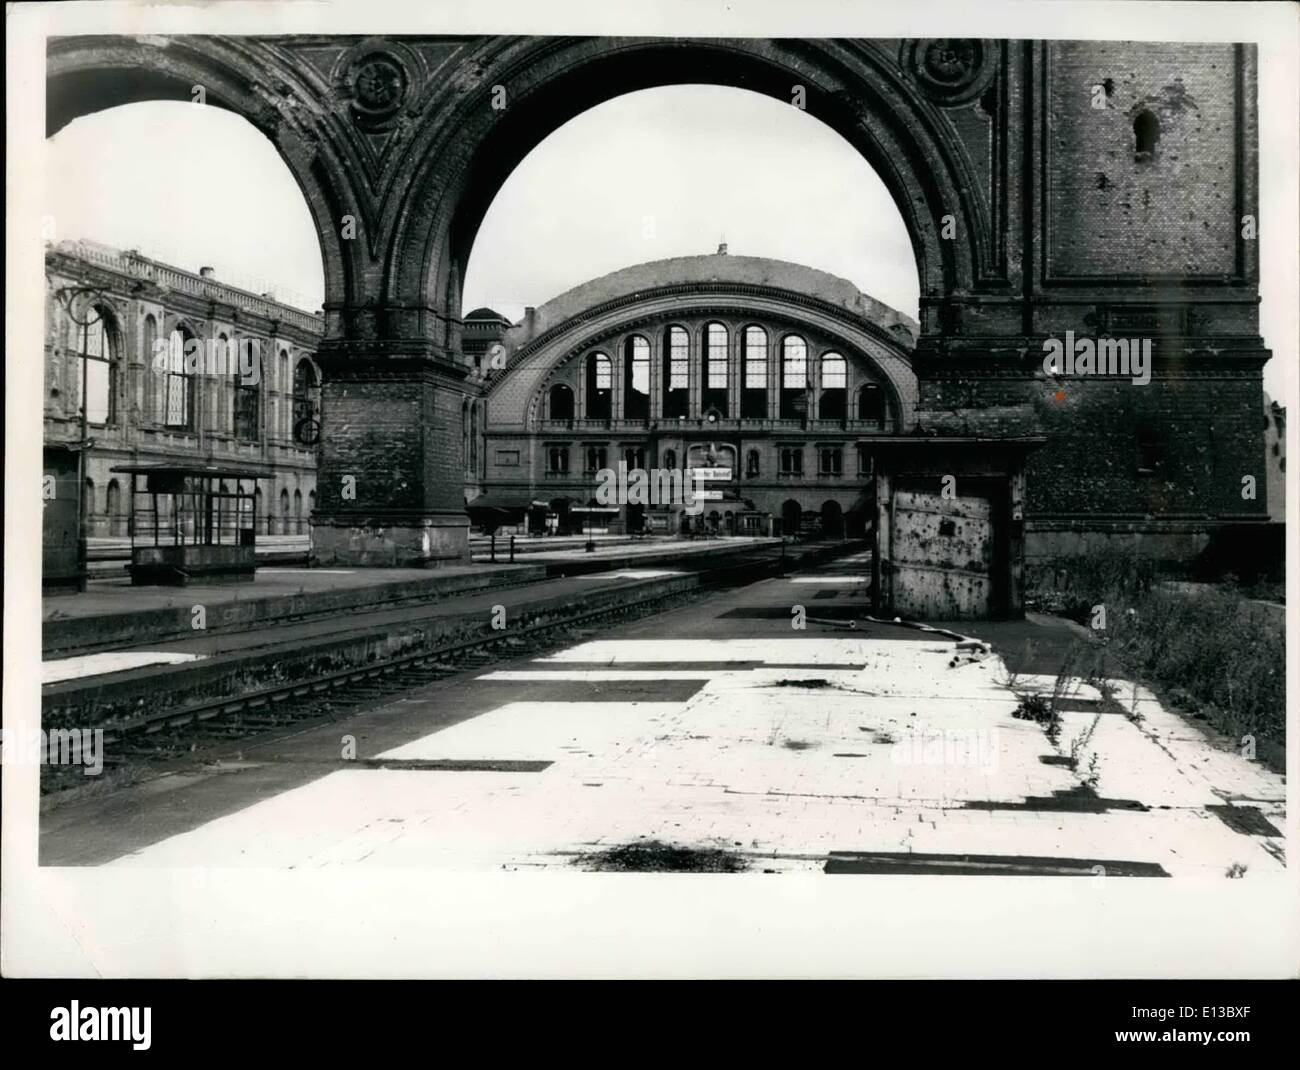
{"x":1202,"y":436}
{"x":1112,"y":212}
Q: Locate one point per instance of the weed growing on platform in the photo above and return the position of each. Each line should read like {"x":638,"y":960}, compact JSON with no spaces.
{"x":1213,"y":653}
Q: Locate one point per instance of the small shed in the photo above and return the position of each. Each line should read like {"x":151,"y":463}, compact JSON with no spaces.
{"x":192,"y":523}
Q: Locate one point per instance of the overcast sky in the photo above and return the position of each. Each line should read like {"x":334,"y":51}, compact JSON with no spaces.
{"x":659,"y":173}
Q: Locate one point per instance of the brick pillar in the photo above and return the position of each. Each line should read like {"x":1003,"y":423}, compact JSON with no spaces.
{"x":389,"y":489}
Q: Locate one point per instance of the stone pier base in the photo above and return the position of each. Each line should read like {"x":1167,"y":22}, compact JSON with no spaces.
{"x":423,"y":542}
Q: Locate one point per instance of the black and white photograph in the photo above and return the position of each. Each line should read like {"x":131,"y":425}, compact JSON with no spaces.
{"x":651,"y":491}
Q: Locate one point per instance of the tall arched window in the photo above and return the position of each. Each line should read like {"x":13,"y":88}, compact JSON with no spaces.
{"x":306,"y":401}
{"x":716,"y":347}
{"x":284,"y":511}
{"x":559,"y":403}
{"x":677,"y":372}
{"x":600,"y":387}
{"x":753,"y":395}
{"x":871,"y":403}
{"x":246,"y":387}
{"x":149,"y":349}
{"x":751,"y":464}
{"x":178,"y":381}
{"x":794,"y":377}
{"x":833,"y":404}
{"x":96,"y":346}
{"x":636,"y":378}
{"x":670,"y":459}
{"x":297,"y":512}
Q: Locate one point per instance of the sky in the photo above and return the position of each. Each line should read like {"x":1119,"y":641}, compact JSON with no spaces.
{"x":659,"y":173}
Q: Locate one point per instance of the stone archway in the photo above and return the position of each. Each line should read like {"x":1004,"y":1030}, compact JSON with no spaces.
{"x":989,"y":148}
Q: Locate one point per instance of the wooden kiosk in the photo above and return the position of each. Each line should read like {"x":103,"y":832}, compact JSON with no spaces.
{"x":192,"y":523}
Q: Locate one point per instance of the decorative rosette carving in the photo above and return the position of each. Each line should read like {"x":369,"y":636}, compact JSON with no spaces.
{"x":378,"y":79}
{"x":951,"y":70}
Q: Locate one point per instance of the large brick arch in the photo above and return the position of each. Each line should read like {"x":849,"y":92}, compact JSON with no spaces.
{"x":248,"y":77}
{"x":455,"y":168}
{"x":1029,"y":210}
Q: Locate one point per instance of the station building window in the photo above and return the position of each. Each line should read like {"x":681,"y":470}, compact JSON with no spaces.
{"x":557,"y":461}
{"x":600,"y":387}
{"x":830,"y":461}
{"x":636,"y":378}
{"x":677,"y":372}
{"x":871,"y":403}
{"x":717,"y":346}
{"x":834,"y":381}
{"x":176,"y":384}
{"x":248,"y":393}
{"x":96,"y":346}
{"x":794,"y":377}
{"x":559,"y":403}
{"x":753,"y":396}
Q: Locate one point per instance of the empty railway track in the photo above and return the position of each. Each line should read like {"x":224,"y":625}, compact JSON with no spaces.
{"x":199,"y":731}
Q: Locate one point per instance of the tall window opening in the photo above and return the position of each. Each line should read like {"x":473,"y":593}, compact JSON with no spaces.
{"x":636,"y":378}
{"x":306,"y":404}
{"x":871,"y":403}
{"x":677,"y":372}
{"x":833,"y":404}
{"x":559,"y":404}
{"x":794,"y":377}
{"x":715,"y":371}
{"x":177,"y":383}
{"x":96,"y":345}
{"x":753,"y":394}
{"x":600,"y":387}
{"x":247,"y":386}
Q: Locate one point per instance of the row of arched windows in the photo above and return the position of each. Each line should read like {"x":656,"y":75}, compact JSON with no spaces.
{"x":173,"y":397}
{"x":792,"y":380}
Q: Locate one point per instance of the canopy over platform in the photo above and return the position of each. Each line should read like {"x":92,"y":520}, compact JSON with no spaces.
{"x":192,"y":522}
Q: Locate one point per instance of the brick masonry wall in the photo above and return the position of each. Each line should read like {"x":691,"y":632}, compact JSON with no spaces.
{"x":1174,"y":212}
{"x":400,"y":440}
{"x":1206,"y":436}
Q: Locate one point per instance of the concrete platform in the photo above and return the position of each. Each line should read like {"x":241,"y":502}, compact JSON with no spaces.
{"x":721,"y":728}
{"x":165,"y":673}
{"x":112,"y":614}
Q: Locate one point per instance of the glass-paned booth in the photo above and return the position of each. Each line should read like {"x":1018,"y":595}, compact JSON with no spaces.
{"x":192,"y":523}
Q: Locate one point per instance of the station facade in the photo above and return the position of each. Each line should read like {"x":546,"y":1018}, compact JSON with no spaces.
{"x":180,"y":368}
{"x":761,"y":382}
